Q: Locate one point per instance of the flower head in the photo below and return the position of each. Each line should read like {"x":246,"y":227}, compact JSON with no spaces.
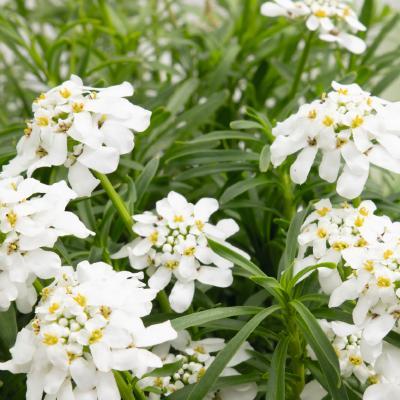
{"x":192,"y":359}
{"x":88,"y":323}
{"x":81,"y":128}
{"x":347,"y":124}
{"x":172,"y":243}
{"x":32,"y":216}
{"x":333,"y":19}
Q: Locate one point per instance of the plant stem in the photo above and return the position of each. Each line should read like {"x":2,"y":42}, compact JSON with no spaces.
{"x":296,"y":350}
{"x":289,"y":207}
{"x":116,"y":200}
{"x":301,"y":65}
{"x":38,"y":286}
{"x":124,"y":388}
{"x":164,"y":302}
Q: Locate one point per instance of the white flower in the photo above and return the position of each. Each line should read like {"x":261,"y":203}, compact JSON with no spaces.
{"x":81,"y":128}
{"x":334,"y":19}
{"x":347,"y":124}
{"x":32,"y":216}
{"x":173,"y":243}
{"x":88,"y":323}
{"x":195,"y":357}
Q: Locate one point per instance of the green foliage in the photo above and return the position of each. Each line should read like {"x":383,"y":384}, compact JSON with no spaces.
{"x":216,"y":79}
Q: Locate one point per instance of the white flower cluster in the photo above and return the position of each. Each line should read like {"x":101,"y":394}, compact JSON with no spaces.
{"x":192,"y":359}
{"x":172,"y":243}
{"x":334,"y":19}
{"x":347,"y":123}
{"x":32,"y":216}
{"x":81,"y":128}
{"x":87,"y":324}
{"x":366,"y":248}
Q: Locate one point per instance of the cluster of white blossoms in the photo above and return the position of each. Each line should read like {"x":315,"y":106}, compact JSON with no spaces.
{"x":192,"y":358}
{"x":347,"y":123}
{"x":82,"y":128}
{"x":172,"y":243}
{"x":334,"y":19}
{"x":87,"y":324}
{"x":366,"y":248}
{"x":32,"y":216}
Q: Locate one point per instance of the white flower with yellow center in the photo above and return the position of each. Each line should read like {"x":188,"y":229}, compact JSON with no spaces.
{"x":173,"y":243}
{"x":346,"y":124}
{"x":335,"y":20}
{"x":82,"y":128}
{"x":32,"y":216}
{"x":192,"y":359}
{"x":87,"y":324}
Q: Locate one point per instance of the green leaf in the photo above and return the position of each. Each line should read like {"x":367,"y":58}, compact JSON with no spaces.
{"x":276,"y":379}
{"x":291,"y":240}
{"x":242,"y":186}
{"x":236,"y":258}
{"x":182,"y":94}
{"x":322,"y":348}
{"x":307,"y":270}
{"x":8,"y":330}
{"x":202,"y":317}
{"x":265,"y":158}
{"x":243,"y":124}
{"x":124,"y":389}
{"x":224,"y":135}
{"x":166,"y":369}
{"x":226,"y":354}
{"x":273,"y":287}
{"x":145,"y":177}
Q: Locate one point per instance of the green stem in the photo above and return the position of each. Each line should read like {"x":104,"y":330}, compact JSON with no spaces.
{"x":163,"y":301}
{"x":296,"y":350}
{"x":124,"y":388}
{"x":301,"y":65}
{"x":38,"y":286}
{"x":289,"y":207}
{"x":116,"y":200}
{"x":137,"y":390}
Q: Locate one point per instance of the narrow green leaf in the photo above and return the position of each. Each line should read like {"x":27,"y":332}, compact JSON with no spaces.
{"x":265,"y":158}
{"x":322,"y":348}
{"x":276,"y":379}
{"x":236,"y":258}
{"x":307,"y":270}
{"x":202,"y":317}
{"x":242,"y":186}
{"x":182,"y":95}
{"x":8,"y":330}
{"x":243,"y":124}
{"x":124,"y":389}
{"x":225,"y":355}
{"x":145,"y":177}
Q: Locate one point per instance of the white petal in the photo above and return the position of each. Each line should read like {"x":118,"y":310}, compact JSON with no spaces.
{"x":160,"y":279}
{"x":81,"y":180}
{"x":107,"y":387}
{"x":215,"y":276}
{"x":204,"y":208}
{"x":301,"y":167}
{"x":83,"y":373}
{"x":350,"y":185}
{"x":156,"y":334}
{"x":103,"y":159}
{"x":329,"y":166}
{"x":181,"y":296}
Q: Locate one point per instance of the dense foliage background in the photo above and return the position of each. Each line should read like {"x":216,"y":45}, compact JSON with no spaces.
{"x":217,"y":76}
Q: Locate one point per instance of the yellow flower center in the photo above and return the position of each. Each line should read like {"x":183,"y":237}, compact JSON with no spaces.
{"x":328,"y":121}
{"x":154,"y":237}
{"x":361,"y":242}
{"x":363,"y":211}
{"x":80,"y":299}
{"x":373,"y":379}
{"x":359,"y":222}
{"x":387,"y":254}
{"x":323,"y":211}
{"x":105,"y":311}
{"x":312,"y":114}
{"x":95,"y":336}
{"x":383,"y":282}
{"x":53,"y":308}
{"x":200,"y":349}
{"x":50,"y":340}
{"x":64,"y":92}
{"x":369,"y":265}
{"x":12,"y":218}
{"x":357,"y":121}
{"x":199,"y":224}
{"x":189,"y":251}
{"x":171,"y":264}
{"x":36,"y":326}
{"x":343,"y":91}
{"x":178,"y":218}
{"x":355,"y":360}
{"x":321,"y":232}
{"x":77,"y":107}
{"x":340,"y":142}
{"x":338,"y":246}
{"x":42,"y":121}
{"x":320,"y":13}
